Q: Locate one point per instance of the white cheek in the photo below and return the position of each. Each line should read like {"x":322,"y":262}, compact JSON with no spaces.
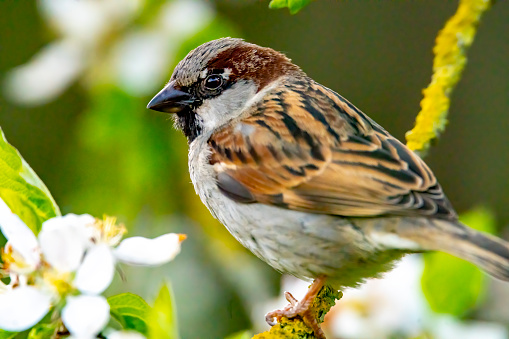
{"x":228,"y":105}
{"x":226,"y":73}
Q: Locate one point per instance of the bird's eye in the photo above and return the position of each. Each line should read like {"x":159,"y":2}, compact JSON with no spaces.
{"x":213,"y":81}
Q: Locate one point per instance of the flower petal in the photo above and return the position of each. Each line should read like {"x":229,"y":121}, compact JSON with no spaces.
{"x":80,"y":222}
{"x":69,"y":220}
{"x":50,"y":71}
{"x":148,"y":252}
{"x":96,"y":272}
{"x":63,"y":247}
{"x":85,"y":315}
{"x":21,"y":238}
{"x":22,"y":308}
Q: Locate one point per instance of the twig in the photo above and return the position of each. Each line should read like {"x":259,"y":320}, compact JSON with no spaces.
{"x":295,"y":328}
{"x":450,"y":58}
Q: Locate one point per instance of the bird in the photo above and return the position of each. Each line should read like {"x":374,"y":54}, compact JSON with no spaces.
{"x":304,"y":179}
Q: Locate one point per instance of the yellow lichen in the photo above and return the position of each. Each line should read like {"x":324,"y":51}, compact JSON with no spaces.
{"x":287,"y":329}
{"x":295,"y":328}
{"x":450,"y":48}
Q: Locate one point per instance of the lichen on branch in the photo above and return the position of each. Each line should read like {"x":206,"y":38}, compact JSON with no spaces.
{"x":295,"y":328}
{"x":450,"y":49}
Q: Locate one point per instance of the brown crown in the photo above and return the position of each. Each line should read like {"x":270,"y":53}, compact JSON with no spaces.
{"x":249,"y":61}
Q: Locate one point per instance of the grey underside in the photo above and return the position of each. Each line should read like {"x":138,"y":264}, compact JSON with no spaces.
{"x":308,"y":245}
{"x":347,"y":250}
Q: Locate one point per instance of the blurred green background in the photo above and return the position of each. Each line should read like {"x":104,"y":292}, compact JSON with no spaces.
{"x":77,"y":75}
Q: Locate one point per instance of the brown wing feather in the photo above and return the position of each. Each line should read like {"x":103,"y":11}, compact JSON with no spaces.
{"x":306,"y":148}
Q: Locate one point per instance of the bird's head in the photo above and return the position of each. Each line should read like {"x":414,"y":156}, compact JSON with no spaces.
{"x":216,"y":81}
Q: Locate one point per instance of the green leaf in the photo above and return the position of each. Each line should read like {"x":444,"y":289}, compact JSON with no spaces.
{"x":22,"y":190}
{"x":42,"y":331}
{"x":131,"y":311}
{"x":163,"y":319}
{"x":7,"y":335}
{"x":240,"y":335}
{"x":452,"y":285}
{"x":277,"y":4}
{"x":481,"y":219}
{"x":293,"y":5}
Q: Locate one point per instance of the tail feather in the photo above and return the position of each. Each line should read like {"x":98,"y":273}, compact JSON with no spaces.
{"x":484,"y":250}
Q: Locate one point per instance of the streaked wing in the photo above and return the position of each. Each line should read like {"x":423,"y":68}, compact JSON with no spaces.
{"x":307,"y":148}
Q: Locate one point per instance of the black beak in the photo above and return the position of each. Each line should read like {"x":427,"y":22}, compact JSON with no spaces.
{"x":170,"y":100}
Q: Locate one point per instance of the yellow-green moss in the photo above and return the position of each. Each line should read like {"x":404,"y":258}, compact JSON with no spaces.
{"x":450,"y":48}
{"x":295,"y":328}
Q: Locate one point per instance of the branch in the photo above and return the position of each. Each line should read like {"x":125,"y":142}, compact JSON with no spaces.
{"x":295,"y":328}
{"x":450,"y":58}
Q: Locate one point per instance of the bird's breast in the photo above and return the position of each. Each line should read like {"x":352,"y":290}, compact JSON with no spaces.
{"x":302,"y":244}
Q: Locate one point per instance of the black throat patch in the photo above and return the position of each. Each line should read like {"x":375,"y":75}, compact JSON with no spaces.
{"x":187,"y":121}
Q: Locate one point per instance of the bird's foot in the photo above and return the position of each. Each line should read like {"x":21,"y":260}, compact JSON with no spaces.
{"x":302,"y":309}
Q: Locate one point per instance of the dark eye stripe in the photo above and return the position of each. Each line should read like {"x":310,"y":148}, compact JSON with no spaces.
{"x":217,"y":71}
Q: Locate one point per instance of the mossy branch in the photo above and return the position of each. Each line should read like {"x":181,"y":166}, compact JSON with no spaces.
{"x":450,"y":58}
{"x":295,"y":328}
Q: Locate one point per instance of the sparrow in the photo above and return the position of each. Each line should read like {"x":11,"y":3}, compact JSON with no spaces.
{"x":304,"y":179}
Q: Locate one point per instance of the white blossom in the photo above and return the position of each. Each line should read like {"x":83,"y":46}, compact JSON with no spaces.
{"x":63,"y":247}
{"x":70,"y":263}
{"x":22,"y":308}
{"x":445,"y":327}
{"x":22,"y":248}
{"x":382,"y":307}
{"x":96,"y":272}
{"x":135,"y":61}
{"x":86,"y":315}
{"x":149,"y":252}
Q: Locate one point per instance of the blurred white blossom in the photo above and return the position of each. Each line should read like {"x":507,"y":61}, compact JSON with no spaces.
{"x":48,"y":74}
{"x":447,"y":327}
{"x":182,"y":18}
{"x":94,"y":39}
{"x":383,"y":308}
{"x":70,"y":263}
{"x":138,"y":61}
{"x":88,"y":21}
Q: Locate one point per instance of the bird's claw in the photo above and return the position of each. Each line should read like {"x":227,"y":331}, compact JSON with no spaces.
{"x":300,"y":309}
